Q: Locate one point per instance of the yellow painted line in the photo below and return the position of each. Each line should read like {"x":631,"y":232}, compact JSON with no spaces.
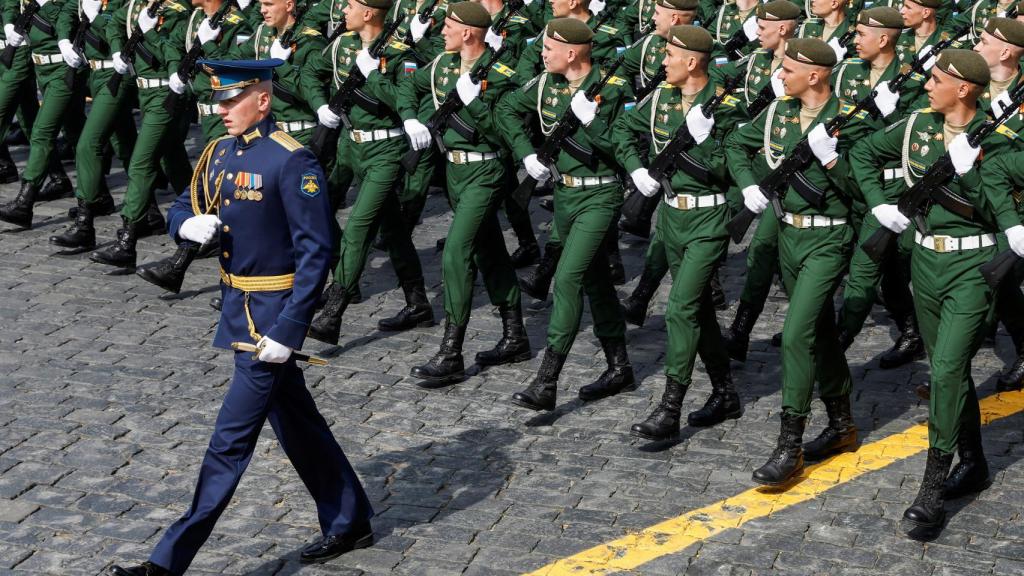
{"x":676,"y":534}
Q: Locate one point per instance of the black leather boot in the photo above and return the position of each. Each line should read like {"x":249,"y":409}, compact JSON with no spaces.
{"x":840,"y":435}
{"x":718,"y":293}
{"x":525,"y":255}
{"x":928,"y":510}
{"x":446,"y":366}
{"x":924,"y":391}
{"x":618,"y":377}
{"x":153,"y":224}
{"x":788,"y":458}
{"x":102,"y":206}
{"x":514,"y":345}
{"x":634,"y":307}
{"x":330,"y":547}
{"x":417,"y":310}
{"x":908,"y":347}
{"x":8,"y":169}
{"x":122,"y":252}
{"x":1013,"y":379}
{"x":144,"y":569}
{"x":663,"y":422}
{"x":57,"y":185}
{"x":169,"y":273}
{"x":737,"y":338}
{"x":970,"y":475}
{"x":19,"y":210}
{"x":543,"y":390}
{"x":81,"y":234}
{"x":538,"y":282}
{"x":326,"y":327}
{"x":723,"y":404}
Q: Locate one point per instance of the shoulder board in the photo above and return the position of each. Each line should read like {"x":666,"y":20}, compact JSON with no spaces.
{"x":664,"y":84}
{"x":730,"y":101}
{"x":1005,"y":131}
{"x":503,"y":69}
{"x":607,"y":29}
{"x":924,"y":110}
{"x":895,"y":125}
{"x":518,"y":19}
{"x":854,"y":60}
{"x":175,"y":6}
{"x":526,"y":87}
{"x":845,"y":108}
{"x":281,"y":137}
{"x":397,"y":45}
{"x":785,"y":98}
{"x":307,"y":31}
{"x":616,"y":81}
{"x":232,"y":18}
{"x":349,"y":33}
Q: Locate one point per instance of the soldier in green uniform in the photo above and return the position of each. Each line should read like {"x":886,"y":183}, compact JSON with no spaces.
{"x":828,"y":21}
{"x":734,"y":18}
{"x":377,"y":144}
{"x":478,"y":173}
{"x":922,"y":29}
{"x":691,"y":224}
{"x":607,"y":42}
{"x":17,"y":95}
{"x":953,"y":302}
{"x":814,"y":245}
{"x":587,"y":201}
{"x":977,"y":16}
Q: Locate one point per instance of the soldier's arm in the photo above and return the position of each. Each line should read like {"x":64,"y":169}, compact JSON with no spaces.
{"x":233,"y":25}
{"x":614,"y":102}
{"x":171,"y":34}
{"x":115,"y":28}
{"x":740,"y":147}
{"x":311,"y":59}
{"x":10,"y":11}
{"x":67,"y":19}
{"x":868,"y":156}
{"x":411,"y":88}
{"x":384,"y":85}
{"x":510,"y":114}
{"x":625,"y":131}
{"x":728,"y":116}
{"x":501,"y":80}
{"x":632,"y":62}
{"x":1001,"y":177}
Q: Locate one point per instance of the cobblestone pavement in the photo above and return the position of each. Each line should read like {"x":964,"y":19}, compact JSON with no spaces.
{"x":110,"y":389}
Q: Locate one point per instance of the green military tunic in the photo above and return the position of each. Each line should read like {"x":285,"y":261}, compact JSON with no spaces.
{"x":642,"y":60}
{"x":815,"y":28}
{"x":636,"y":19}
{"x":977,"y":16}
{"x":906,"y":44}
{"x":607,"y":44}
{"x":727,"y":22}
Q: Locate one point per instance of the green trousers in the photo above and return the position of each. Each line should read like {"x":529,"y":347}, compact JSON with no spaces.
{"x":109,"y":120}
{"x":475,"y":241}
{"x":18,"y":93}
{"x":762,"y":262}
{"x":378,"y":167}
{"x":812,"y":261}
{"x":583,"y":217}
{"x":519,"y":217}
{"x":694,"y":242}
{"x":59,"y":100}
{"x":412,"y":197}
{"x":657,"y":262}
{"x":954,"y":307}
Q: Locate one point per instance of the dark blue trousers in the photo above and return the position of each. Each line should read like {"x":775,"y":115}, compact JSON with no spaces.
{"x":258,"y":392}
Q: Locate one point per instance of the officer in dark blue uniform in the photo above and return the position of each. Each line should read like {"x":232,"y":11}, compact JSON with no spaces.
{"x":263,"y":193}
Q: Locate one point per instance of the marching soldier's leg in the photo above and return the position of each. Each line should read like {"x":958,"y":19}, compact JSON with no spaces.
{"x":834,"y":380}
{"x":656,"y":266}
{"x":616,"y":271}
{"x":537,"y":282}
{"x":861,"y":288}
{"x":528,"y":252}
{"x":58,"y":185}
{"x":338,"y":183}
{"x":762,"y":261}
{"x":899,"y":302}
{"x":1010,"y":311}
{"x":406,"y":262}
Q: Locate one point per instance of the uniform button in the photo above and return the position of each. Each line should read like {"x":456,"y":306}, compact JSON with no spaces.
{"x":231,"y":176}
{"x":238,"y":153}
{"x":227,"y":228}
{"x":227,"y":202}
{"x":225,"y":254}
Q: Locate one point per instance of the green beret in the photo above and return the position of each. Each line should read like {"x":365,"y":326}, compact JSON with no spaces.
{"x":679,"y":4}
{"x":379,"y":4}
{"x":810,"y":51}
{"x":691,"y":38}
{"x":778,"y":10}
{"x":1008,"y":30}
{"x":928,"y":3}
{"x":570,"y":31}
{"x":881,"y":17}
{"x":964,"y":64}
{"x":470,"y":14}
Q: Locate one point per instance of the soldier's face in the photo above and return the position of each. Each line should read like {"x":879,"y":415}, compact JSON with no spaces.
{"x":245,"y":110}
{"x":662,"y":20}
{"x":678,"y":64}
{"x":867,"y":41}
{"x":823,"y":7}
{"x":796,"y":76}
{"x":992,"y":49}
{"x":913,"y":13}
{"x":560,"y":8}
{"x":768,"y":33}
{"x":275,"y":12}
{"x":356,"y":16}
{"x":945,"y":90}
{"x":454,"y":34}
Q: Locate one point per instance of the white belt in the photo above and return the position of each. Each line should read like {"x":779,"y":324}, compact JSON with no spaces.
{"x":892,"y":173}
{"x":690,"y":202}
{"x":570,"y":181}
{"x":146,"y":83}
{"x":46,"y":58}
{"x":463,"y":157}
{"x":811,"y":220}
{"x":360,"y":136}
{"x":296,"y":126}
{"x":940,"y":243}
{"x":101,"y":64}
{"x":3,"y":44}
{"x":206,"y":109}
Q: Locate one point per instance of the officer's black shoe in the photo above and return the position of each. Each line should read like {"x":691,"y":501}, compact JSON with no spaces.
{"x":635,"y":306}
{"x":514,"y":345}
{"x":103,"y":206}
{"x":616,"y":271}
{"x":840,"y":435}
{"x":737,"y":337}
{"x":144,"y":569}
{"x":81,"y":233}
{"x":8,"y":169}
{"x":525,"y":255}
{"x":664,"y":420}
{"x":538,"y":282}
{"x":970,"y":475}
{"x":57,"y":186}
{"x":718,"y":293}
{"x":928,"y":510}
{"x":169,"y":273}
{"x":153,"y":224}
{"x":122,"y":252}
{"x":543,"y":390}
{"x":788,"y":458}
{"x":326,"y":327}
{"x":618,"y":377}
{"x":908,"y":347}
{"x":924,"y":391}
{"x":217,"y":303}
{"x":331,"y":547}
{"x":446,"y":366}
{"x":723,"y":404}
{"x":1012,"y":379}
{"x":547,"y":204}
{"x":19,"y":210}
{"x":416,"y":313}
{"x":777,"y":340}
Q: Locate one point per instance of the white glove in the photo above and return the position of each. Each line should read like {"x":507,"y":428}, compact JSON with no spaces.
{"x":67,"y":52}
{"x":698,"y":125}
{"x":750,"y":29}
{"x":584,"y":108}
{"x":536,"y":168}
{"x":597,"y":6}
{"x":839,"y":50}
{"x":176,"y":85}
{"x":754,"y":199}
{"x":886,"y":99}
{"x":327,"y":117}
{"x":1015,"y":234}
{"x":644,"y":183}
{"x":91,"y":9}
{"x":147,"y":23}
{"x":1000,"y":103}
{"x":527,"y":2}
{"x":367,"y":64}
{"x":963,"y":154}
{"x":889,"y":215}
{"x":278,"y":51}
{"x":418,"y":29}
{"x":199,"y":228}
{"x":925,"y":52}
{"x":206,"y":32}
{"x":13,"y":38}
{"x":467,"y":89}
{"x":419,"y":135}
{"x":272,"y":352}
{"x":823,"y":145}
{"x":493,"y":40}
{"x":243,"y":4}
{"x":42,"y":2}
{"x":120,"y":66}
{"x":777,"y":86}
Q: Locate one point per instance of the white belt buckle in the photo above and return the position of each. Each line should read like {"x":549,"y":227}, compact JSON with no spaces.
{"x":939,"y":243}
{"x":458,"y":157}
{"x":357,"y":136}
{"x":798,"y":220}
{"x":682,"y":203}
{"x":568,"y":180}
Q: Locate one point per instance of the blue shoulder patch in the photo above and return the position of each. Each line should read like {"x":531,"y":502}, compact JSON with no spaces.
{"x":310,"y":186}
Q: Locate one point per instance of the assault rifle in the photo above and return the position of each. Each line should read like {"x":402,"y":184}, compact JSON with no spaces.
{"x":21,"y":25}
{"x":133,"y":45}
{"x":187,"y":67}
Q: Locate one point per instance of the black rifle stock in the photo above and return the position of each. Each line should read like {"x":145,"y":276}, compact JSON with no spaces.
{"x":21,"y":24}
{"x":129,"y":49}
{"x":997,"y":269}
{"x":187,"y":68}
{"x":78,"y":45}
